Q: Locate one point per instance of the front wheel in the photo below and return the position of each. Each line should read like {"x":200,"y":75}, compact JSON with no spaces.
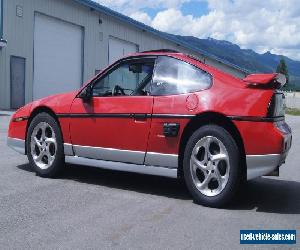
{"x":212,"y":166}
{"x":45,"y":146}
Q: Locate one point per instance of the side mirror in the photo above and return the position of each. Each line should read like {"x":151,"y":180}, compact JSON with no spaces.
{"x":87,"y":94}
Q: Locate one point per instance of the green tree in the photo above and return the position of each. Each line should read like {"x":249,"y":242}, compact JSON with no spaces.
{"x":283,"y":69}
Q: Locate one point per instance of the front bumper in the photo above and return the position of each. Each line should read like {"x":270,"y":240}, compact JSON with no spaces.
{"x":16,"y":144}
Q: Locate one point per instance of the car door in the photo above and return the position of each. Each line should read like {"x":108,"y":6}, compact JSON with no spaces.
{"x":115,"y":124}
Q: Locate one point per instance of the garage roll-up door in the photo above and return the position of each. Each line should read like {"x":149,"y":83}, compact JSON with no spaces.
{"x":58,"y":47}
{"x":119,"y":48}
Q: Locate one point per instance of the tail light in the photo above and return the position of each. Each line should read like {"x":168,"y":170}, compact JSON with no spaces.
{"x":276,"y":106}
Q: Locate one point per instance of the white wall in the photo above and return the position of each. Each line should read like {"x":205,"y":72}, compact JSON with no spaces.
{"x":292,"y":99}
{"x":58,"y":56}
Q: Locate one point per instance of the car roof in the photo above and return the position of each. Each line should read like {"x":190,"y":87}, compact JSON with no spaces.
{"x":161,"y":52}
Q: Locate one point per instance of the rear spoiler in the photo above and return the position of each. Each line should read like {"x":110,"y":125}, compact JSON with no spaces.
{"x":268,"y":81}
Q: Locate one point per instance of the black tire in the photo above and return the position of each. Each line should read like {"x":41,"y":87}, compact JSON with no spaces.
{"x":234,"y":176}
{"x":58,"y":163}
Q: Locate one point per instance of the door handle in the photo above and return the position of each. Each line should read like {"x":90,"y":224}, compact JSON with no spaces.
{"x":140,"y":116}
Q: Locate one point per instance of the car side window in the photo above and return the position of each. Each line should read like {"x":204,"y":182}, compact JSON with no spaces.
{"x":128,"y":78}
{"x":173,"y":77}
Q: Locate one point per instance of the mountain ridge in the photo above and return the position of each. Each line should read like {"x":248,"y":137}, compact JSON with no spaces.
{"x":245,"y":58}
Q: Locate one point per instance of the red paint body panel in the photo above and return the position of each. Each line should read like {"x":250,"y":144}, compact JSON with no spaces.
{"x":160,"y":143}
{"x":59,"y":104}
{"x":110,"y":132}
{"x":264,"y":138}
{"x":18,"y":129}
{"x":228,"y":96}
{"x":260,"y":78}
{"x":219,"y":98}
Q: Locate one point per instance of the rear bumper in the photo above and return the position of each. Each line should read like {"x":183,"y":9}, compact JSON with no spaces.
{"x":16,"y":144}
{"x":260,"y":165}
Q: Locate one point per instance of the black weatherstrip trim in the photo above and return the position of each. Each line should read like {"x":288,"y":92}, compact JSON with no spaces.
{"x":167,"y":116}
{"x":256,"y":118}
{"x":170,"y":116}
{"x":100,"y":115}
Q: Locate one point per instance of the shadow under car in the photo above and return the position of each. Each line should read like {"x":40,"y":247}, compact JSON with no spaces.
{"x":262,"y":194}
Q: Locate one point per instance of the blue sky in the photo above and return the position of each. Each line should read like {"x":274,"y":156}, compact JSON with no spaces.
{"x":268,"y":25}
{"x":195,"y":8}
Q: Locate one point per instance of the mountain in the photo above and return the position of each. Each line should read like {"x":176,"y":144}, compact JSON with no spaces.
{"x":245,"y":58}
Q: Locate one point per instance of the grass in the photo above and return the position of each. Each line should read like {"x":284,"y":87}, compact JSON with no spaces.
{"x":292,"y":111}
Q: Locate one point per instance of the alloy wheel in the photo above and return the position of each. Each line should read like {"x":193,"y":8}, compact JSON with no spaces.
{"x":43,"y":145}
{"x":210,"y":166}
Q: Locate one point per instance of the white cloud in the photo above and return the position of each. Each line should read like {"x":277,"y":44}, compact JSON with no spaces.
{"x":141,"y":17}
{"x":269,"y":25}
{"x":173,"y":21}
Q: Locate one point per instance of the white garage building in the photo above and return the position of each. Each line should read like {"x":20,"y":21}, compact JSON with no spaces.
{"x":53,"y":46}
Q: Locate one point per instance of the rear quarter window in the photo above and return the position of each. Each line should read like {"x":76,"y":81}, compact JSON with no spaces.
{"x":174,"y":77}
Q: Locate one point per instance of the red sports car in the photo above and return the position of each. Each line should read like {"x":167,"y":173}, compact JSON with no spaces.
{"x":162,"y":113}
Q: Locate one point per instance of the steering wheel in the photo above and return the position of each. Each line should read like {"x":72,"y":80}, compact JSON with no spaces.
{"x":118,"y":90}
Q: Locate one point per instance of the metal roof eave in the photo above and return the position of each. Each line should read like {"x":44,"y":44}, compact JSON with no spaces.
{"x":163,"y":35}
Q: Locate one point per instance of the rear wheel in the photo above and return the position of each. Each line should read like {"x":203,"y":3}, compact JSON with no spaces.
{"x":45,"y":146}
{"x":211,"y":166}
